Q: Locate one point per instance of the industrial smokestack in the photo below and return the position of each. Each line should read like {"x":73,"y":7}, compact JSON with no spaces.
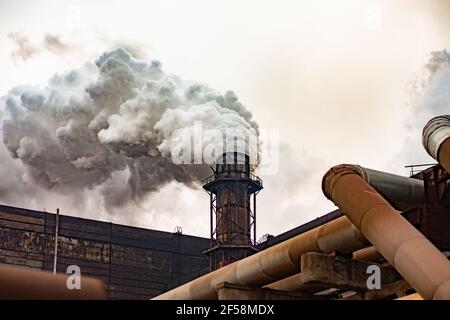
{"x":233,"y":217}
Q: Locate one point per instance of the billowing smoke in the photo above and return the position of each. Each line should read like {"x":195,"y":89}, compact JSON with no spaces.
{"x":115,"y":125}
{"x":430,"y":97}
{"x":435,"y":94}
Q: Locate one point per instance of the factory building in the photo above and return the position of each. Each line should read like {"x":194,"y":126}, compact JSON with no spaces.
{"x":134,"y":263}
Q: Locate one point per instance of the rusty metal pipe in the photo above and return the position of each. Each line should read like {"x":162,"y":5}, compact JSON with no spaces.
{"x":291,"y":283}
{"x":274,"y":263}
{"x":369,"y":254}
{"x":420,"y":263}
{"x":16,"y":283}
{"x":436,"y":140}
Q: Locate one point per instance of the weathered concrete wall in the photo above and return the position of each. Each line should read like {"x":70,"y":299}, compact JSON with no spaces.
{"x":135,"y":263}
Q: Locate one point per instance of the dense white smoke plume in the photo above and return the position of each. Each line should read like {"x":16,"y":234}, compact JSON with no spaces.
{"x":113,"y":126}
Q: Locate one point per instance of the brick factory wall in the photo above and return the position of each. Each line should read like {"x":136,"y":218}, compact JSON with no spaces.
{"x":135,"y":263}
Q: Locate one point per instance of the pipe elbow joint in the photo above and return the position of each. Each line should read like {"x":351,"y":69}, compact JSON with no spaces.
{"x":335,"y":173}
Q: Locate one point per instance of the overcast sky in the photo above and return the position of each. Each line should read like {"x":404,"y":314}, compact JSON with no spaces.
{"x":334,"y":77}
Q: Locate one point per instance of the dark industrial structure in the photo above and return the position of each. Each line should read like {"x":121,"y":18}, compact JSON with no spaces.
{"x":432,"y":218}
{"x":233,"y":218}
{"x":134,"y":263}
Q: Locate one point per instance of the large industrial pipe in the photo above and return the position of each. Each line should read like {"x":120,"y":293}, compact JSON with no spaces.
{"x":24,"y":284}
{"x":274,"y":263}
{"x":420,"y":263}
{"x":436,"y":140}
{"x":403,"y":193}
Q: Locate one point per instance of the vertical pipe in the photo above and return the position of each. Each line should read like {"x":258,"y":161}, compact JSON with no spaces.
{"x":55,"y":257}
{"x":211,"y":216}
{"x":254,"y":219}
